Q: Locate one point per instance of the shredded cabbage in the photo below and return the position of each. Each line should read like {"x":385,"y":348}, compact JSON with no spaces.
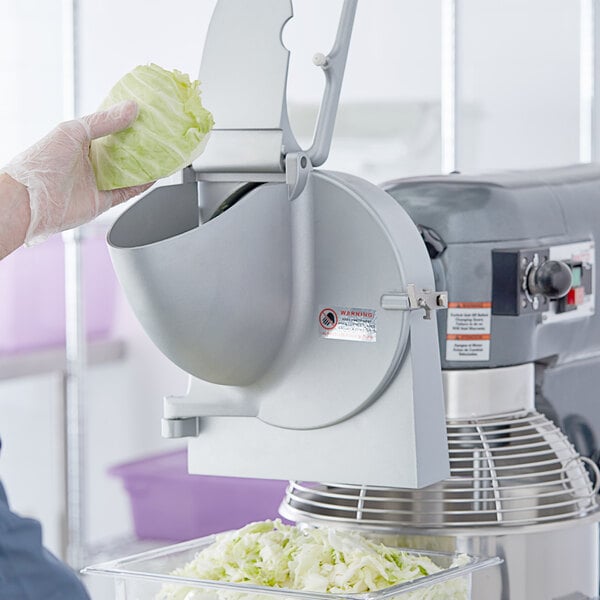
{"x":169,"y":133}
{"x":269,"y":553}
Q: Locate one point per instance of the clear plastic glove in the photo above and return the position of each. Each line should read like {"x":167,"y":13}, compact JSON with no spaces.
{"x":59,"y":177}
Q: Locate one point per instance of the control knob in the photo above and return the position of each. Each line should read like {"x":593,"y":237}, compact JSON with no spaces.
{"x":552,"y":279}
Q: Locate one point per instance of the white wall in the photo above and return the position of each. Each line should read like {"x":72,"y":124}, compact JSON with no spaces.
{"x":519,"y":67}
{"x":518,"y":107}
{"x":30,"y":72}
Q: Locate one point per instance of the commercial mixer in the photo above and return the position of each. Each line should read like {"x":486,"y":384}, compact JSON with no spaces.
{"x":303,"y":303}
{"x":516,"y":252}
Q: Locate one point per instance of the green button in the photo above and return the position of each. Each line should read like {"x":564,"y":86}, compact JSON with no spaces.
{"x":576,"y":275}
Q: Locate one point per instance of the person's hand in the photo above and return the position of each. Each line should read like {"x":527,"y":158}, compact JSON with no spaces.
{"x":59,"y":177}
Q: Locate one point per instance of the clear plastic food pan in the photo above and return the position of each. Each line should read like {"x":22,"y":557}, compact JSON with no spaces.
{"x":147,"y":576}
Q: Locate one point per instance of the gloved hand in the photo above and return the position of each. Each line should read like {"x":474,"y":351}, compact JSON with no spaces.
{"x":59,"y":177}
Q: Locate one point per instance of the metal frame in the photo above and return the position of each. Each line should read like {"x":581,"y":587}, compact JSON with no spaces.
{"x":76,"y":346}
{"x":449,"y":86}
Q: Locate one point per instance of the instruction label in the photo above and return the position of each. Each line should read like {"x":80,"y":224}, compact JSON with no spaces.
{"x":347,"y":323}
{"x":468,"y":331}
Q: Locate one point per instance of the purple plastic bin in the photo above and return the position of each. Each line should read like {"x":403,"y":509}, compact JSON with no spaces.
{"x":170,"y":504}
{"x":32,"y":295}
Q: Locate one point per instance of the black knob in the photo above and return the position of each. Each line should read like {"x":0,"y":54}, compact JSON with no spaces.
{"x":553,"y":279}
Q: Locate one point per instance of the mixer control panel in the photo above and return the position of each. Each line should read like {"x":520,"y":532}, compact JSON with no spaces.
{"x":555,"y":281}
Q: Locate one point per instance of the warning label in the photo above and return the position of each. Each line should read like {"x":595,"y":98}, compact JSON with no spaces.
{"x":468,"y":332}
{"x":346,"y":323}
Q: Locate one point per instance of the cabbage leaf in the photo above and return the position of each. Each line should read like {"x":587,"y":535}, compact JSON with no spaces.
{"x":170,"y":131}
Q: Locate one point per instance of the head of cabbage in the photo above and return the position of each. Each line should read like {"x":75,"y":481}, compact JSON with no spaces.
{"x":170,"y":131}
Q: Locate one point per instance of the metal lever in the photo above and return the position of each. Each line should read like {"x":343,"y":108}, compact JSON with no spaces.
{"x":333,"y":66}
{"x":243,"y":73}
{"x":413,"y":299}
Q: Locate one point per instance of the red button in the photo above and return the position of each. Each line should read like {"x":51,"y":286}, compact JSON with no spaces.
{"x":576,"y":296}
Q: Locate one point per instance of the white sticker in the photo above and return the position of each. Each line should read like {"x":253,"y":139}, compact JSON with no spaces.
{"x":345,"y":323}
{"x":468,"y":329}
{"x":467,"y":349}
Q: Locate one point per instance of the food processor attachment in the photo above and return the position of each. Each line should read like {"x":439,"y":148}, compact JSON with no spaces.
{"x":300,"y":301}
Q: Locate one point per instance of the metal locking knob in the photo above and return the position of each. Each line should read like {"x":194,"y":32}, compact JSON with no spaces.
{"x":552,"y":279}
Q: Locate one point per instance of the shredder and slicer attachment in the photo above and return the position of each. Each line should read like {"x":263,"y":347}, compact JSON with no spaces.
{"x":302,"y":310}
